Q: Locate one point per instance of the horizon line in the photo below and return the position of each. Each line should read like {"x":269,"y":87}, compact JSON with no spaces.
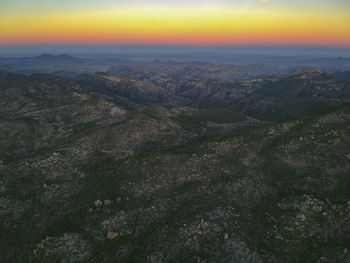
{"x":135,"y":45}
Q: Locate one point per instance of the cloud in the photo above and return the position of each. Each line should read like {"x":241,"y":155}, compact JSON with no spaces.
{"x":264,"y":1}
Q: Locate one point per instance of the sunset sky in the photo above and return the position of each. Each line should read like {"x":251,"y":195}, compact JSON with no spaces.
{"x":170,"y":22}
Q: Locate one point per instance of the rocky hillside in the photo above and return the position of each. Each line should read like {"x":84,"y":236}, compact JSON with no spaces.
{"x":120,"y":169}
{"x":131,"y":89}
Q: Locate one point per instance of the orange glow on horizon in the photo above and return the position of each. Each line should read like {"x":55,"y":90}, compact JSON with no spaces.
{"x":165,"y":26}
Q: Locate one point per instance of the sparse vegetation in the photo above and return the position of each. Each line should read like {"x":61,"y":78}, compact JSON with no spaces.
{"x":88,"y":178}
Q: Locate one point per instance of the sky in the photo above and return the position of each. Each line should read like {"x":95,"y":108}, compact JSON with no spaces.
{"x":321,"y":23}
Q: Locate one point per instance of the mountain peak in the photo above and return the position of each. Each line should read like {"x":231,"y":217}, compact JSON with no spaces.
{"x":316,"y":73}
{"x":50,"y":56}
{"x":316,"y":70}
{"x":157,"y":60}
{"x":46,"y":55}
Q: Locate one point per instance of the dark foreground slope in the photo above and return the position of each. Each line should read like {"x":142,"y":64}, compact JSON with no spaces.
{"x":94,"y":175}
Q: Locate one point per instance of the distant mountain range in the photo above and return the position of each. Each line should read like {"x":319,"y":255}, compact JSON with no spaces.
{"x":177,"y":90}
{"x":225,"y":68}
